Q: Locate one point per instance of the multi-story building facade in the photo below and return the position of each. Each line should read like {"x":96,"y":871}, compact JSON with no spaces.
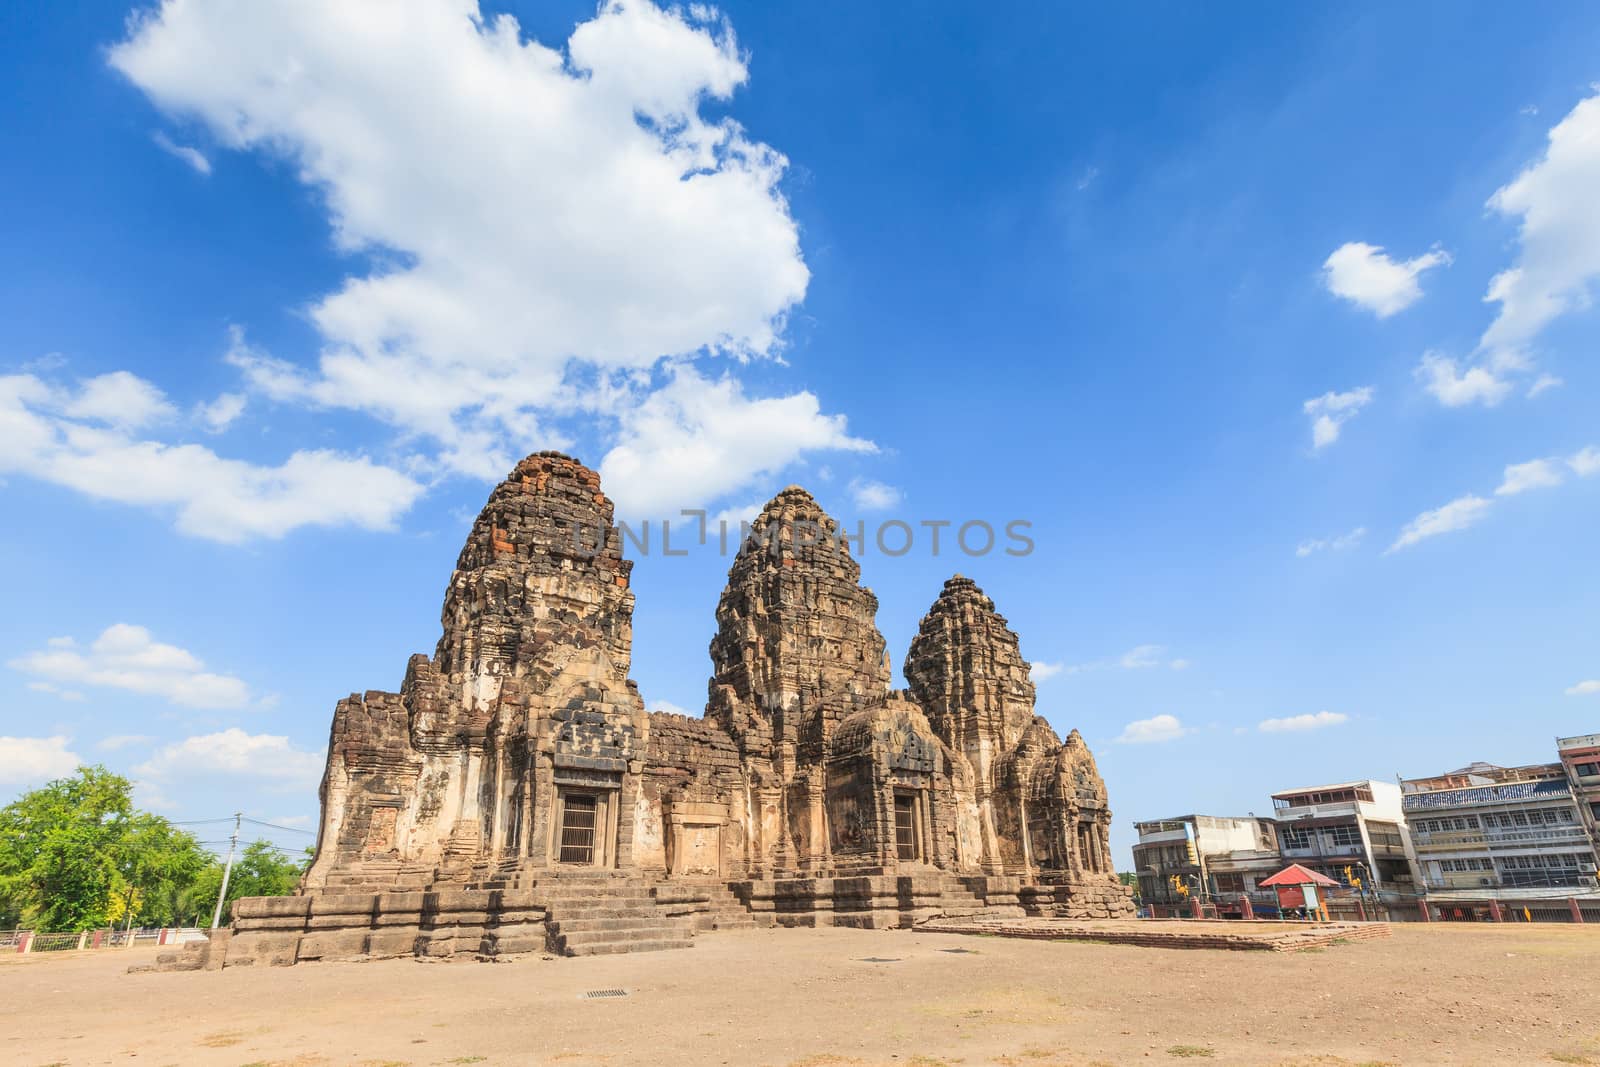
{"x":1482,"y":842}
{"x":1580,"y":759}
{"x":1513,"y":835}
{"x":1358,"y":825}
{"x":1218,"y":858}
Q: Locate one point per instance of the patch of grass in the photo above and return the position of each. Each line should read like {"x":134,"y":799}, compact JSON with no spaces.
{"x":1185,"y":1052}
{"x":467,"y":1059}
{"x":1570,"y":1057}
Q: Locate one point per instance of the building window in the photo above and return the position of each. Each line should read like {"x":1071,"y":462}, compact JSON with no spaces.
{"x":577,"y":828}
{"x":905,"y":826}
{"x":1344,"y":835}
{"x":1587,"y":770}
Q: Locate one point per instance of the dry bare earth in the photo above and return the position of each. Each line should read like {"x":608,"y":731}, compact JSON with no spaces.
{"x":1430,"y":994}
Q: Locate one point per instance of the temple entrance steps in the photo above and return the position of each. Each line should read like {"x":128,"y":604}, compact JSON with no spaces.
{"x":708,"y":904}
{"x":607,"y":912}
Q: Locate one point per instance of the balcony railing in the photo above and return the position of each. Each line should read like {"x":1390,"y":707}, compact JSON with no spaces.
{"x":1315,"y":848}
{"x":1517,"y":880}
{"x":1501,"y":838}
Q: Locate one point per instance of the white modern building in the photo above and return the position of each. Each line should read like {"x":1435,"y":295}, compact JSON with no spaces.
{"x":1349,"y":828}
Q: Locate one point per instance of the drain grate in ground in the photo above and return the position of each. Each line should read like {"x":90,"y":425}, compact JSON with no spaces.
{"x":878,"y":959}
{"x":598,"y":994}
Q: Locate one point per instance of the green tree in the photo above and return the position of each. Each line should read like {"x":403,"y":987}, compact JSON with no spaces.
{"x":158,"y":863}
{"x":75,"y":855}
{"x":261,"y":870}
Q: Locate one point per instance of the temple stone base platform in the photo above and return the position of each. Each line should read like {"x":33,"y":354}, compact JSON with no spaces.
{"x":561,"y":914}
{"x":1263,"y":935}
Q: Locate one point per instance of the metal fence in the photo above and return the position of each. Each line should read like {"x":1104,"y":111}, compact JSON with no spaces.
{"x":30,"y":941}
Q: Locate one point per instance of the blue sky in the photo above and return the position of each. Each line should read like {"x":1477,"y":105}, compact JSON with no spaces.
{"x":1273,"y":322}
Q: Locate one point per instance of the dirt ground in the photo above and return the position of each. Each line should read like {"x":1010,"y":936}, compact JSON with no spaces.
{"x":1452,"y":994}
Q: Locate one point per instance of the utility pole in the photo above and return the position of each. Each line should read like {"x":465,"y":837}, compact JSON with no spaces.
{"x":227,"y":871}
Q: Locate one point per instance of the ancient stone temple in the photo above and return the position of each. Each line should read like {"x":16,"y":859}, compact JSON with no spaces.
{"x":515,"y":795}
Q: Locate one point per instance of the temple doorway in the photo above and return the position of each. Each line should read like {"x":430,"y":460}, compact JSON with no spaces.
{"x":905,"y":827}
{"x":578,"y":812}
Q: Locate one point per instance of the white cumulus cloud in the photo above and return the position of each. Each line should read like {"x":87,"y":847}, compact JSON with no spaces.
{"x":1585,"y":462}
{"x":1330,"y":411}
{"x":79,"y":438}
{"x":219,"y":414}
{"x":528,"y":210}
{"x":27,"y":761}
{"x":1454,"y":387}
{"x":1310,"y":721}
{"x":869,"y":495}
{"x":1584,"y":688}
{"x":1039,"y":670}
{"x":1534,"y":474}
{"x":235,"y":753}
{"x":1558,"y":234}
{"x":1365,"y":275}
{"x":696,"y":438}
{"x":1154,"y":729}
{"x":119,"y":399}
{"x":128,"y":657}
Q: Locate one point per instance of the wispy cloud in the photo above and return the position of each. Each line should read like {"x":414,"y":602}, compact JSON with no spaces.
{"x":192,"y":156}
{"x":1457,"y":515}
{"x":1295,"y":723}
{"x":1138,"y":658}
{"x":1546,"y":473}
{"x":1331,"y":544}
{"x":128,"y":657}
{"x":1585,"y":688}
{"x":117,"y":742}
{"x":1544,"y":383}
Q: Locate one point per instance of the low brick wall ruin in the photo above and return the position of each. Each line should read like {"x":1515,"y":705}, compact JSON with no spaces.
{"x":1241,"y":935}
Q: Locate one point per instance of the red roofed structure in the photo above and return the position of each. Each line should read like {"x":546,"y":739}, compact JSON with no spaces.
{"x":1296,"y":886}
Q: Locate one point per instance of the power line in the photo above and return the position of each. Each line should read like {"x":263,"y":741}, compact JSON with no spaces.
{"x":275,"y":826}
{"x":245,"y":818}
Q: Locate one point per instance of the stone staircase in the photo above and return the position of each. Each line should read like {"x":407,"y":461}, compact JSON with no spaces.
{"x":604,"y":913}
{"x":380,"y":876}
